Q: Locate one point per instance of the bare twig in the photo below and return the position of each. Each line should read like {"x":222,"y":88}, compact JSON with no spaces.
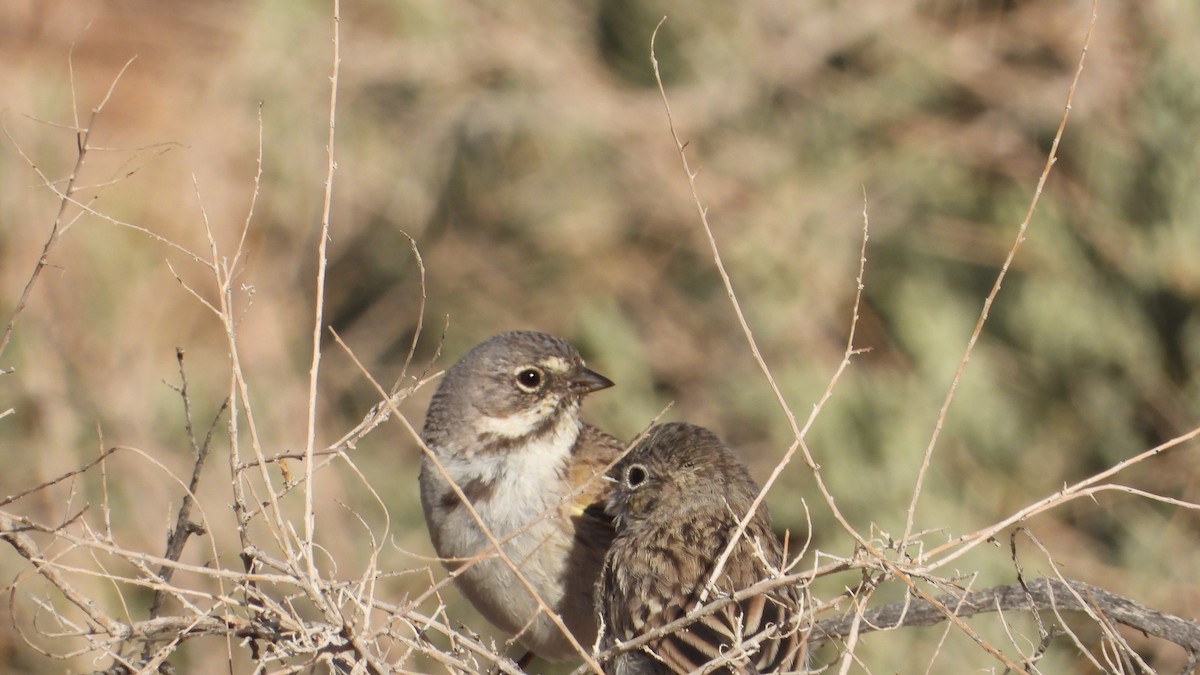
{"x":859,"y":600}
{"x":798,"y":433}
{"x":959,"y":546}
{"x":412,"y":347}
{"x":1037,"y":595}
{"x":319,"y":306}
{"x":83,"y":135}
{"x":184,"y":525}
{"x":70,"y":474}
{"x":1051,"y":158}
{"x":12,"y":531}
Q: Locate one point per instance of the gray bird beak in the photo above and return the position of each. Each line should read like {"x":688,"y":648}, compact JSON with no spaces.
{"x":585,"y":381}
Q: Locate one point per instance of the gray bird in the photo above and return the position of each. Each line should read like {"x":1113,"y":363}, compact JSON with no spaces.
{"x":504,"y":423}
{"x":678,"y":497}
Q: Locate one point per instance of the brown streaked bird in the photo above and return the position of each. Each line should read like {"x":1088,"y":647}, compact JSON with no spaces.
{"x":677,"y":499}
{"x":504,"y":423}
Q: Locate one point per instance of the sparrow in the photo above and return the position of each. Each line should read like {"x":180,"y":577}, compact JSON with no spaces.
{"x":677,"y":499}
{"x":504,"y":425}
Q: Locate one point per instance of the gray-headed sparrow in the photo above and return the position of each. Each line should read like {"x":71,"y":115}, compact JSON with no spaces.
{"x":504,"y":423}
{"x":677,"y":499}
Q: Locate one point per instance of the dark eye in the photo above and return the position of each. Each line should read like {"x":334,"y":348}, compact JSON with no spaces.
{"x":635,"y":475}
{"x":529,"y":379}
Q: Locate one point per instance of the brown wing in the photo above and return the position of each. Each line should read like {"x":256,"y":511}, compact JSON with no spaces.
{"x":592,"y":454}
{"x":774,"y":613}
{"x":630,"y":596}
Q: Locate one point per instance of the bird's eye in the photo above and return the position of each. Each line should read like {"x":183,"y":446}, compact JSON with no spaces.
{"x":635,"y":475}
{"x":529,"y":379}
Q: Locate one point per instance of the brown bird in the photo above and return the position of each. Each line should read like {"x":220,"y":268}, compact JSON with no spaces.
{"x":677,"y":499}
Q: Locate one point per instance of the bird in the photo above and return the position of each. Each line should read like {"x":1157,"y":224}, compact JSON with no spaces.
{"x":677,"y":499}
{"x":504,"y":425}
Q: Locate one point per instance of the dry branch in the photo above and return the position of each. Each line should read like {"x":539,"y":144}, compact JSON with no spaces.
{"x":1039,"y":595}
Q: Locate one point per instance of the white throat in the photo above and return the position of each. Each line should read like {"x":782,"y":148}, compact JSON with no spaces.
{"x":524,"y":475}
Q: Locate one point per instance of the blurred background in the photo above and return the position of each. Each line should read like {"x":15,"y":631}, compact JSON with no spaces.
{"x":524,"y":148}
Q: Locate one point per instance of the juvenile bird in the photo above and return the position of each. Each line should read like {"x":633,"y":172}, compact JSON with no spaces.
{"x":677,"y":499}
{"x":504,"y":424}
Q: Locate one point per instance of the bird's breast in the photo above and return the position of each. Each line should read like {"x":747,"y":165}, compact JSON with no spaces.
{"x":507,"y":489}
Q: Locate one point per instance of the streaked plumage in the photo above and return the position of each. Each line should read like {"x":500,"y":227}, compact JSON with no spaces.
{"x":677,"y":500}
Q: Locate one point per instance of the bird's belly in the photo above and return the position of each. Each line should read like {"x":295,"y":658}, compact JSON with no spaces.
{"x":539,"y":551}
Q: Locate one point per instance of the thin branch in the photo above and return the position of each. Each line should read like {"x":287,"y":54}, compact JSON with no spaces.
{"x":82,"y":137}
{"x":1051,"y":158}
{"x":12,"y":531}
{"x":797,"y":432}
{"x":959,"y":546}
{"x":74,"y":472}
{"x":319,"y":307}
{"x":184,"y":525}
{"x":1038,"y":595}
{"x":412,"y":347}
{"x":258,"y":173}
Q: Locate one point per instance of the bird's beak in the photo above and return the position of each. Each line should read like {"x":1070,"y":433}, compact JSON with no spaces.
{"x":585,"y":381}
